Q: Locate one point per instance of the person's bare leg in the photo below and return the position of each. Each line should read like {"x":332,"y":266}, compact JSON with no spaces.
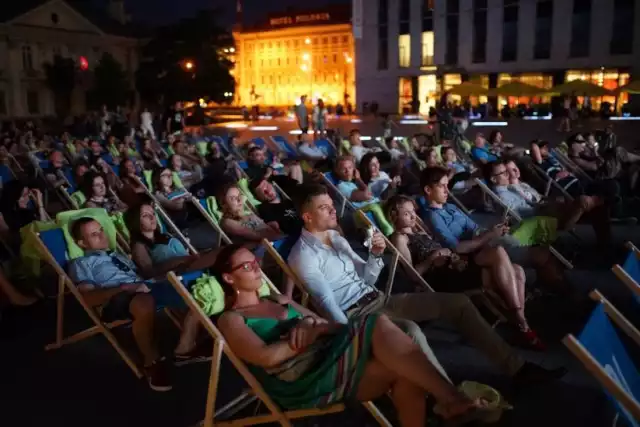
{"x":189,"y":335}
{"x":502,"y":272}
{"x":408,"y":399}
{"x":15,"y":297}
{"x":400,"y":355}
{"x":143,"y":311}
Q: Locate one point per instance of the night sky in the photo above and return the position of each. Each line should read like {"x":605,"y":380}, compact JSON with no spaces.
{"x":158,"y":12}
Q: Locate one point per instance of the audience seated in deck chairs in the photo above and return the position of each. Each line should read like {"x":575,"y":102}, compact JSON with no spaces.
{"x":96,"y":189}
{"x":526,"y":202}
{"x":21,"y":204}
{"x":149,"y":155}
{"x":482,"y":152}
{"x":614,"y":163}
{"x":603,"y":191}
{"x":240,"y":224}
{"x":220,"y":170}
{"x":362,"y":358}
{"x":357,"y":192}
{"x":110,"y":280}
{"x":501,"y":148}
{"x":444,"y":270}
{"x":189,"y":176}
{"x":55,"y":172}
{"x":343,"y":285}
{"x":257,"y":166}
{"x":378,"y":182}
{"x":155,"y":254}
{"x":174,"y":200}
{"x":309,"y":151}
{"x":358,"y":150}
{"x":278,"y":212}
{"x":456,"y":231}
{"x":132,"y":186}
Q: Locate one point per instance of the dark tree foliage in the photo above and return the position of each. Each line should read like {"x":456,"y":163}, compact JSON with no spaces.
{"x":163,"y":77}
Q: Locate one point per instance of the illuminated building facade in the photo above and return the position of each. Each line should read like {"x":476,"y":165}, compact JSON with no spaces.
{"x":401,"y":65}
{"x":302,"y":53}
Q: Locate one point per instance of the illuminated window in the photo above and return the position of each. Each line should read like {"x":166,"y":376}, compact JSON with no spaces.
{"x":405,"y":92}
{"x":427,"y":48}
{"x":325,"y":40}
{"x":335,"y":58}
{"x":334,"y":40}
{"x":404,"y":50}
{"x":345,"y":39}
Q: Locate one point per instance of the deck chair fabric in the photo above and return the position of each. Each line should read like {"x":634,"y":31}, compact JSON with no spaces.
{"x":629,"y":271}
{"x":603,"y":353}
{"x":249,"y":374}
{"x":65,"y":219}
{"x":54,"y":245}
{"x":30,"y":255}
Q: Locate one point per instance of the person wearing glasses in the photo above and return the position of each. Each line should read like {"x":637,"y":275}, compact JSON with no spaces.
{"x":362,"y":359}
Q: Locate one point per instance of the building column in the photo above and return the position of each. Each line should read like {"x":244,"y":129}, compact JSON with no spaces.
{"x":494,"y":32}
{"x":465,"y":33}
{"x":526,"y":30}
{"x":415,"y":29}
{"x":15,"y":104}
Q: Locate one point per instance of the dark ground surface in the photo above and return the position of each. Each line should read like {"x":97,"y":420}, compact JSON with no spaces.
{"x":87,"y":384}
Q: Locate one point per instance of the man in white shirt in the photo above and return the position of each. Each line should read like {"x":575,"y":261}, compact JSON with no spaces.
{"x":146,"y":124}
{"x":342,"y":284}
{"x":357,"y":149}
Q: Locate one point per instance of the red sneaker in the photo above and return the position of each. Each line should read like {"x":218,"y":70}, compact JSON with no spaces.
{"x":533,"y":341}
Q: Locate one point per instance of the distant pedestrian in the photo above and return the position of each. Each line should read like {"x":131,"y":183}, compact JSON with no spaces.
{"x":302,"y":115}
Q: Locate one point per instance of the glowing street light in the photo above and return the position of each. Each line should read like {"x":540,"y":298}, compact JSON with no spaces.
{"x":305,"y":56}
{"x":349,"y":59}
{"x":304,"y":67}
{"x":307,"y":41}
{"x":188,"y":65}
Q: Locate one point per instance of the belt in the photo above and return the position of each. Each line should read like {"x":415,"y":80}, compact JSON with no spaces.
{"x":364,"y":301}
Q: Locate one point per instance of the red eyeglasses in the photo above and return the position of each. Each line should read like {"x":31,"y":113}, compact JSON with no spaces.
{"x":247,"y":266}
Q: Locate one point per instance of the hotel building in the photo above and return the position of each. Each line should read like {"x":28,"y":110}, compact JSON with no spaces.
{"x":412,"y":50}
{"x":294,"y":54}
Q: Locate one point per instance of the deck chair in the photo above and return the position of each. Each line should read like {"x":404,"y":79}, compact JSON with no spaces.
{"x":57,"y":248}
{"x":629,"y":272}
{"x":599,"y":348}
{"x":494,"y":197}
{"x":285,"y":146}
{"x":257,"y":393}
{"x":571,"y":165}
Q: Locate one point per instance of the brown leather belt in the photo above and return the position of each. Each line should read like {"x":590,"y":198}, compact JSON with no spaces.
{"x":364,"y":300}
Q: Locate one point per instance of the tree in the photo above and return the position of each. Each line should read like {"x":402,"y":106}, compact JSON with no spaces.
{"x":61,"y":79}
{"x":163,"y":74}
{"x":110,"y":84}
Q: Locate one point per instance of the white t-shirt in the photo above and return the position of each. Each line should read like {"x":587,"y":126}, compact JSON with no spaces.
{"x":379,"y":184}
{"x":358,"y":151}
{"x":146,"y":118}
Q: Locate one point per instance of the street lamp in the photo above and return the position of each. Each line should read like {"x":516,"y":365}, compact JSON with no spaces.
{"x":188,"y":65}
{"x":307,"y":41}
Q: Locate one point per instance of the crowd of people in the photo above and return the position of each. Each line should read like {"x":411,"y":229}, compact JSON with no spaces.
{"x":363,"y":343}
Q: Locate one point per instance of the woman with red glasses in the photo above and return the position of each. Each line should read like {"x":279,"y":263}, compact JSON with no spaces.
{"x":304,"y":361}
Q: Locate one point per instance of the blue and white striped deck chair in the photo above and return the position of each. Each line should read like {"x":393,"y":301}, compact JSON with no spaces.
{"x":285,"y":146}
{"x":327,"y":147}
{"x":603,"y":354}
{"x":629,"y":271}
{"x":53,"y":247}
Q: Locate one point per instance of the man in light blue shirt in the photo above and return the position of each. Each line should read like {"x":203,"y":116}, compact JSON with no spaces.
{"x":302,"y":114}
{"x":309,"y":150}
{"x":341,"y":284}
{"x":110,"y":281}
{"x":481,"y":153}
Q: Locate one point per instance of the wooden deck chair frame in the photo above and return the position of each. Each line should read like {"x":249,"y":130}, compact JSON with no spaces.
{"x":550,"y":182}
{"x":571,"y":165}
{"x":595,"y":368}
{"x":514,"y":215}
{"x":220,"y":347}
{"x":624,"y":276}
{"x":65,"y":282}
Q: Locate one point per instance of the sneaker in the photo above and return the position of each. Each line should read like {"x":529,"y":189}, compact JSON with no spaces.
{"x":157,"y":376}
{"x":532,"y":340}
{"x":532,"y":374}
{"x":202,"y":353}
